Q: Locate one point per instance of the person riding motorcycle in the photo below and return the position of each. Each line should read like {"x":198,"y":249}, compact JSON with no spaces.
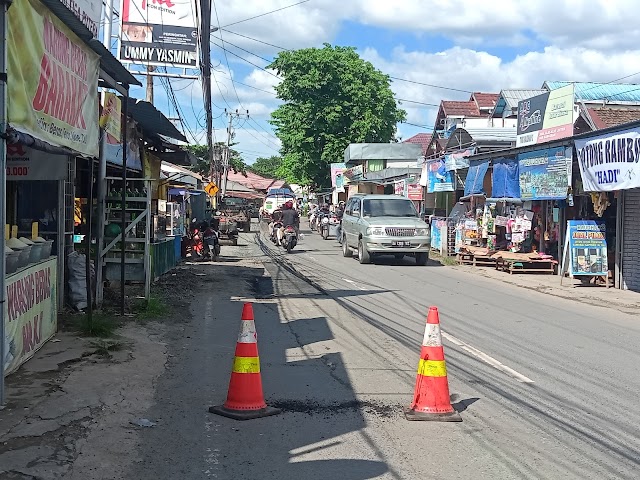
{"x":290,"y":218}
{"x":275,"y":218}
{"x":211,"y":239}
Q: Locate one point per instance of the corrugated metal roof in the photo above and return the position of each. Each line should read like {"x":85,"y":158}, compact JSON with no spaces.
{"x":509,"y":99}
{"x":152,"y":121}
{"x":381,"y":151}
{"x":610,"y":92}
{"x":492,"y":134}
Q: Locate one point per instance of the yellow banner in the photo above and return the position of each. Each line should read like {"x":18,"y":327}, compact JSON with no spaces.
{"x":111,"y":117}
{"x":30,"y":312}
{"x":53,"y":80}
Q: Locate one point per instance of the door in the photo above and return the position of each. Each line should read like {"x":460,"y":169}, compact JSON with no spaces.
{"x":354,"y":218}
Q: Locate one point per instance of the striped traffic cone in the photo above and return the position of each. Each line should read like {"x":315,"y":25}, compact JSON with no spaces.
{"x":245,"y":399}
{"x":431,"y":397}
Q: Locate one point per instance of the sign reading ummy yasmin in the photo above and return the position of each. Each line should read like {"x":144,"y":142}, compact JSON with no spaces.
{"x":159,"y":32}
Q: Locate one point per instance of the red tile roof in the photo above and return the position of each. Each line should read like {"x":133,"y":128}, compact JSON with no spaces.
{"x":466,"y":109}
{"x":485,"y":100}
{"x":605,"y":117}
{"x":422,"y":139}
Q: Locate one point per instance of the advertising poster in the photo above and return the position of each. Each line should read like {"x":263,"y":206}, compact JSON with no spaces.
{"x":24,"y":163}
{"x":414,"y":191}
{"x":159,"y":32}
{"x":53,"y":92}
{"x":587,"y":247}
{"x":337,"y":178}
{"x":30,"y":312}
{"x":111,"y":116}
{"x":438,"y":178}
{"x":458,"y":160}
{"x":546,"y":117}
{"x":398,"y":188}
{"x":610,"y":162}
{"x":89,"y":12}
{"x":545,"y":174}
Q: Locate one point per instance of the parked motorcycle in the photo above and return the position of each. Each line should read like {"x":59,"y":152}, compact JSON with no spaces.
{"x":195,"y":240}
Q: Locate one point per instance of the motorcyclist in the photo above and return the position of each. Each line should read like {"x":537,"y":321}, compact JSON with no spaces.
{"x":340,"y":214}
{"x":290,"y":218}
{"x":210,"y":238}
{"x":275,"y":218}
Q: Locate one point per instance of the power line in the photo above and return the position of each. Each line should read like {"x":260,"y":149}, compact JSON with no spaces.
{"x":250,"y":63}
{"x":264,"y":14}
{"x":255,"y":39}
{"x":240,"y":48}
{"x":419,"y":103}
{"x":430,"y":85}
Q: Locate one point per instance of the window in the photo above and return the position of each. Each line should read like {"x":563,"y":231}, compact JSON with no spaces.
{"x":356,"y":207}
{"x":389,"y":208}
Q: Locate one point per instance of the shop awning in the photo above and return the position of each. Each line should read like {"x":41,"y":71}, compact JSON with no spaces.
{"x":356,"y":152}
{"x":505,"y":182}
{"x":108,"y":63}
{"x":475,"y":177}
{"x":391,"y":174}
{"x":179,"y":174}
{"x":183,"y":192}
{"x":152,"y":121}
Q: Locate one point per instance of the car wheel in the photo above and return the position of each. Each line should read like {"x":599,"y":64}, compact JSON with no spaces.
{"x":422,"y":258}
{"x":363,"y":255}
{"x":346,"y":250}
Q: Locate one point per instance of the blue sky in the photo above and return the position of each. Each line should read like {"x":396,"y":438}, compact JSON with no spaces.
{"x":471,"y":45}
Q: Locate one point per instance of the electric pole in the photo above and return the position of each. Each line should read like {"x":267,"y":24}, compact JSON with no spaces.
{"x":205,"y":69}
{"x":226,"y":157}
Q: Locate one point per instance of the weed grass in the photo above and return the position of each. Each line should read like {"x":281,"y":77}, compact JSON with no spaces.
{"x":155,"y":308}
{"x":102,"y":325}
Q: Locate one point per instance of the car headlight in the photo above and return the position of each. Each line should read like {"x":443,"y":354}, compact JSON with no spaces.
{"x":422,"y":232}
{"x":376,"y":231}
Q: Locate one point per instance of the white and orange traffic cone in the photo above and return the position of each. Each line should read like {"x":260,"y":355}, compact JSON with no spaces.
{"x":245,"y":398}
{"x":431,"y":399}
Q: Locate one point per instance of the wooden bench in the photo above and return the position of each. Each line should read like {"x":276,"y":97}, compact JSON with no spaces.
{"x":525,"y":266}
{"x":475,"y":260}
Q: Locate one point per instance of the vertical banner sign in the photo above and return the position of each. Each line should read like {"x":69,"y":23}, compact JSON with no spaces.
{"x":30,"y":312}
{"x":53,"y":91}
{"x":587,"y":247}
{"x":111,"y":116}
{"x":610,"y":162}
{"x":159,"y":32}
{"x":438,"y":178}
{"x":545,"y":117}
{"x":337,"y":179}
{"x":545,"y":174}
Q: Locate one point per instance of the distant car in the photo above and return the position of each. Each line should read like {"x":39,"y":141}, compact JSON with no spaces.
{"x":384,"y":225}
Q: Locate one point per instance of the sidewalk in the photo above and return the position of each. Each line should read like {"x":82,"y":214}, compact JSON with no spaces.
{"x":621,"y":300}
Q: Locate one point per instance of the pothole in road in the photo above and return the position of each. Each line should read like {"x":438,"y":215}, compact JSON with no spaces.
{"x":311,"y":407}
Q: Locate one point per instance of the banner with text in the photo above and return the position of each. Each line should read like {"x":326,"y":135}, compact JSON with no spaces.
{"x":587,"y":247}
{"x":438,"y":178}
{"x":545,"y":174}
{"x":89,"y":12}
{"x":30,"y":312}
{"x":159,"y":32}
{"x":25,"y":163}
{"x":53,"y":87}
{"x":545,"y":117}
{"x":610,"y":162}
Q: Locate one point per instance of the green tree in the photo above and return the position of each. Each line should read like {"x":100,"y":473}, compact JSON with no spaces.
{"x":203,"y":166}
{"x":332,"y":98}
{"x":267,"y":167}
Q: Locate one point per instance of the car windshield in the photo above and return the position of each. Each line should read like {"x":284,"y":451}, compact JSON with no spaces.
{"x":389,"y":208}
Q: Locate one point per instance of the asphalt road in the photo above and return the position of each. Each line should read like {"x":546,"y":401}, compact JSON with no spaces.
{"x":547,"y":388}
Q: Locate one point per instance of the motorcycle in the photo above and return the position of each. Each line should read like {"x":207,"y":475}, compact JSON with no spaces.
{"x":274,"y":235}
{"x":197,"y":246}
{"x":212,"y":245}
{"x":290,"y":239}
{"x":313,"y":218}
{"x":329,"y":227}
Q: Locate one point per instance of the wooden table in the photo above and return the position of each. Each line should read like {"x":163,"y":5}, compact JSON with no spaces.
{"x":525,"y":266}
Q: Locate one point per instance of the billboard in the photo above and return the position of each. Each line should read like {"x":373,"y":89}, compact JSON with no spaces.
{"x":438,"y":178}
{"x":89,"y":12}
{"x":53,"y":95}
{"x":545,"y":174}
{"x":159,"y":32}
{"x":546,"y":117}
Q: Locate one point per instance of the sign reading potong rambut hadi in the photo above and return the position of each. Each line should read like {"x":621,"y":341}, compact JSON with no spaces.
{"x":610,"y":162}
{"x":53,"y":80}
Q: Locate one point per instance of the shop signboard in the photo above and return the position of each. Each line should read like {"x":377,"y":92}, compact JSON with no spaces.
{"x":587,"y":248}
{"x":438,"y":178}
{"x":337,"y":178}
{"x":398,"y":188}
{"x":414,"y":191}
{"x":53,"y":92}
{"x":545,"y":174}
{"x":610,"y":162}
{"x":354,"y":174}
{"x":24,"y":163}
{"x":546,"y":117}
{"x":30,"y":312}
{"x":89,"y":12}
{"x":159,"y":32}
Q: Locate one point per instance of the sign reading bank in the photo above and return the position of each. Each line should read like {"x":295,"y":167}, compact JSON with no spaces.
{"x":546,"y":117}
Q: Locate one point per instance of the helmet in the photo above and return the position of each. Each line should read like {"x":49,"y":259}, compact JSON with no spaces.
{"x":288,"y":205}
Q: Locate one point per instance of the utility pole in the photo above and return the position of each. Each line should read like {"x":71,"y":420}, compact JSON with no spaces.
{"x":150,"y":69}
{"x":226,"y":156}
{"x":205,"y":69}
{"x":4,"y":5}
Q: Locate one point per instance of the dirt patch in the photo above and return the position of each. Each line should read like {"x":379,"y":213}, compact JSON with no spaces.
{"x":312,"y":407}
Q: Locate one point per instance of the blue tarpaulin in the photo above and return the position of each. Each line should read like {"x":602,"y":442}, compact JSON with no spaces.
{"x":506,"y":181}
{"x":475,"y":177}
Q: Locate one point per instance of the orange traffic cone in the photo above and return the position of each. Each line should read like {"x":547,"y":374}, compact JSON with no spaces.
{"x":431,"y":397}
{"x":245,"y":399}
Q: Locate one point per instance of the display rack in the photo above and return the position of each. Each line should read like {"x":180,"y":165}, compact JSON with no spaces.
{"x":137,"y":234}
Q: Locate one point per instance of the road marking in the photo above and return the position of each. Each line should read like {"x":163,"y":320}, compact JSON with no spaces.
{"x":486,"y":358}
{"x":354,"y":284}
